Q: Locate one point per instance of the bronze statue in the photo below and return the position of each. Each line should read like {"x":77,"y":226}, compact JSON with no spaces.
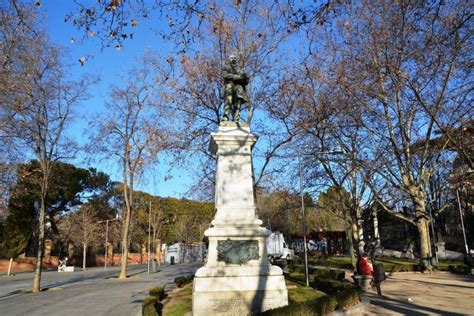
{"x":235,"y":93}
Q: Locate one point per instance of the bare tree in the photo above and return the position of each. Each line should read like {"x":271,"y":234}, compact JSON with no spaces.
{"x":42,"y":103}
{"x":131,"y":133}
{"x":404,"y":70}
{"x":114,"y":22}
{"x":185,"y":228}
{"x":85,"y":229}
{"x":326,"y":138}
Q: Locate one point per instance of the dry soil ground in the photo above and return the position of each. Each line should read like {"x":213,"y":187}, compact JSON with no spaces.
{"x":440,"y":293}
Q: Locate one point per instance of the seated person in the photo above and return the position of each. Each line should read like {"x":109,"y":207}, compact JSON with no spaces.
{"x":363,"y":266}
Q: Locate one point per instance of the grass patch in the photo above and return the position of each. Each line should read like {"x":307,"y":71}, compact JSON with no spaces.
{"x":390,"y":264}
{"x":323,"y":273}
{"x":450,"y":265}
{"x":301,"y":293}
{"x":333,"y":262}
{"x":295,"y":278}
{"x":179,"y":302}
{"x":304,"y":300}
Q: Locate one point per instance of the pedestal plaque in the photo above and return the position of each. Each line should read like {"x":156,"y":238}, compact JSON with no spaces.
{"x":237,"y":278}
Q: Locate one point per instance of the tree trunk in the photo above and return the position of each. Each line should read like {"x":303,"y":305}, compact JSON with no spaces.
{"x":376,"y":231}
{"x":359,"y":229}
{"x":70,"y":250}
{"x":10,"y":265}
{"x":351,"y":246}
{"x":421,"y":223}
{"x":425,"y":249}
{"x":39,"y":257}
{"x":84,"y":256}
{"x":356,"y":239}
{"x":125,"y":231}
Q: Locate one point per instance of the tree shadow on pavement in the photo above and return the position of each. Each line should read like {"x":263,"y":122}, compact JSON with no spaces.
{"x":441,"y":284}
{"x":406,"y":308}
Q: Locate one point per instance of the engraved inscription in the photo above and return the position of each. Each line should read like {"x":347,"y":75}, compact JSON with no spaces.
{"x":237,"y":251}
{"x":240,"y":306}
{"x":228,"y":305}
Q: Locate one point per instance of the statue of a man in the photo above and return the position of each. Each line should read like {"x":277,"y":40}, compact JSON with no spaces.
{"x":235,"y":93}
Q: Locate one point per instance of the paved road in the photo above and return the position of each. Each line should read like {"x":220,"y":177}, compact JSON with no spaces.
{"x":94,"y":292}
{"x":408,"y":293}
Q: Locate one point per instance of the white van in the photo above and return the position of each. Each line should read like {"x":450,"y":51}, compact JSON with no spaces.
{"x":277,"y":248}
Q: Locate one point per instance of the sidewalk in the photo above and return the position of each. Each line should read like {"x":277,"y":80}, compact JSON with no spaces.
{"x":414,"y":293}
{"x":95,"y":292}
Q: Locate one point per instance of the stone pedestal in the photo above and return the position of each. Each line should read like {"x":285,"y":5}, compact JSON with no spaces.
{"x":237,"y":278}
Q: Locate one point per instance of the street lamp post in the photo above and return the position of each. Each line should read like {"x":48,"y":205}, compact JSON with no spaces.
{"x":107,"y":238}
{"x":306,"y":276}
{"x":149,"y":241}
{"x":106,"y":243}
{"x":300,"y":169}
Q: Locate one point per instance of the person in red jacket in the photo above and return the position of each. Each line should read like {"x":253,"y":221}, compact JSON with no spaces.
{"x":363,"y":266}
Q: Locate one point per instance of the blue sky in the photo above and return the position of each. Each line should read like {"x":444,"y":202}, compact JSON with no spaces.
{"x":111,"y":67}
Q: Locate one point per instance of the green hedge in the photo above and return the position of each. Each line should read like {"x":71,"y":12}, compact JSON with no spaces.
{"x":332,"y":286}
{"x":340,"y":295}
{"x":460,"y":269}
{"x":150,"y":306}
{"x":158,"y":292}
{"x":320,"y":306}
{"x":320,"y":273}
{"x":183,"y":280}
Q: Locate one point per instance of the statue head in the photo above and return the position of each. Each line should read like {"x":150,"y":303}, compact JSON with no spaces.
{"x":233,"y":59}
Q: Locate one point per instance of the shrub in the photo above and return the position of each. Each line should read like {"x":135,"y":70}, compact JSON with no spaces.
{"x":321,"y":306}
{"x":299,"y":309}
{"x":457,"y":268}
{"x":325,"y":305}
{"x":342,"y":295}
{"x":150,"y":306}
{"x":295,"y":266}
{"x":183,"y":280}
{"x":327,"y":274}
{"x":348,"y":298}
{"x":158,"y":292}
{"x":320,"y":273}
{"x":332,"y":286}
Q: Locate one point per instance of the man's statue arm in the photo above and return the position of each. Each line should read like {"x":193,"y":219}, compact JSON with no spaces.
{"x":229,"y":76}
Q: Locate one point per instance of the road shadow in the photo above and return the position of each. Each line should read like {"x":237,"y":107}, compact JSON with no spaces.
{"x":440,"y":284}
{"x":406,"y":308}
